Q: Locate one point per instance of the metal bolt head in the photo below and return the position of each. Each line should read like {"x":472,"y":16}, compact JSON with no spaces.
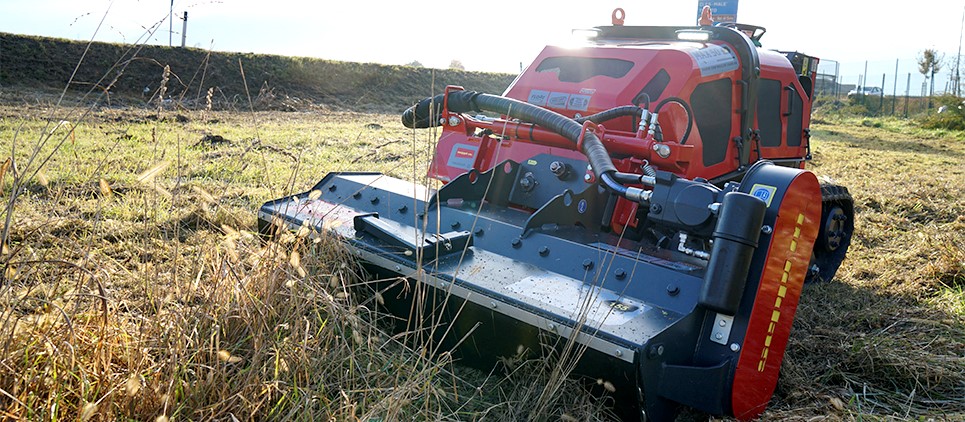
{"x":403,"y":209}
{"x":734,"y":347}
{"x":493,"y":305}
{"x":587,"y":264}
{"x":455,"y":225}
{"x":332,"y":188}
{"x":517,"y":243}
{"x":618,"y":352}
{"x":454,"y":121}
{"x":662,"y":150}
{"x":544,"y":250}
{"x":587,"y":178}
{"x":673,"y":290}
{"x":620,"y":273}
{"x":480,"y":232}
{"x":374,"y":201}
{"x":718,"y":336}
{"x":527,"y":182}
{"x":767,"y":229}
{"x":558,"y":168}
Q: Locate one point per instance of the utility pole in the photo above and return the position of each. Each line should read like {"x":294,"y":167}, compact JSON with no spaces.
{"x":958,"y":58}
{"x":184,"y":30}
{"x":171,"y":25}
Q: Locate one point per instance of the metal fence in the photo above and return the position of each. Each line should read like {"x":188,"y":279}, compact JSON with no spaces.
{"x":904,"y":93}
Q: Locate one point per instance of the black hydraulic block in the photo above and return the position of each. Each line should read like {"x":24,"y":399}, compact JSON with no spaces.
{"x":735,"y":239}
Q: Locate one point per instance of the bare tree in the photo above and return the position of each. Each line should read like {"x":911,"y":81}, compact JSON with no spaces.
{"x":930,"y":63}
{"x":456,"y":64}
{"x":414,"y":63}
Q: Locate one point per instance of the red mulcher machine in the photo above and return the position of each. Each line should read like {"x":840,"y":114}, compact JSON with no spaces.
{"x":642,"y":197}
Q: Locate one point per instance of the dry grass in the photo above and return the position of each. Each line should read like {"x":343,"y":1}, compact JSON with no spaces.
{"x":887,"y":339}
{"x":133,"y":286}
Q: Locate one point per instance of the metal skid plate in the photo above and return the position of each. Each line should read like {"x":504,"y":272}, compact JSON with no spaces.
{"x":560,"y":282}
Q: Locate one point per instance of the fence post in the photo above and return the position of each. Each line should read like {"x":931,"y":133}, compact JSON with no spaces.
{"x":907,"y":91}
{"x":881,"y":98}
{"x":894,"y":91}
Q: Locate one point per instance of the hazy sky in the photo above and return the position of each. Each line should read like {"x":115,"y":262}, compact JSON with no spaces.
{"x":496,"y":35}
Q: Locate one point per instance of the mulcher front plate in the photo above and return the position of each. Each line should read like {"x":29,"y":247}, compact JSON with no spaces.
{"x":666,"y":326}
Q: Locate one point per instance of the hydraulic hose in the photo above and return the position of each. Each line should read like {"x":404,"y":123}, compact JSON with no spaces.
{"x":425,"y":114}
{"x":613,"y":113}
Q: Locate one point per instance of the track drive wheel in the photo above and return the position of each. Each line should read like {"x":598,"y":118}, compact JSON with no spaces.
{"x":834,"y":238}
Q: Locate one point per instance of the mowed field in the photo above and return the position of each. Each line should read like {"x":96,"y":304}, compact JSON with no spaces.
{"x":134,"y":286}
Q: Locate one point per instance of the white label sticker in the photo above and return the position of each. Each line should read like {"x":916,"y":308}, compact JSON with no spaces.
{"x":578,"y":102}
{"x":538,"y":97}
{"x":714,"y":59}
{"x":558,"y":100}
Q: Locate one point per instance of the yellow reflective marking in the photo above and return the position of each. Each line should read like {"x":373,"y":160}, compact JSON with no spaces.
{"x":781,"y":294}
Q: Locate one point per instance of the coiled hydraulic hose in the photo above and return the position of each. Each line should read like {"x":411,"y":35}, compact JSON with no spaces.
{"x":426,"y":114}
{"x":690,"y":114}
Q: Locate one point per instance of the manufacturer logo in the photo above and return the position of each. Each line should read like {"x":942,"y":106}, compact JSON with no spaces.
{"x":765,"y":192}
{"x":621,"y":307}
{"x":462,"y":156}
{"x":581,"y":207}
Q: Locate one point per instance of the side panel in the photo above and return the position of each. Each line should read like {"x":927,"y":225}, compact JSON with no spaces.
{"x":777,"y":295}
{"x":784,"y":109}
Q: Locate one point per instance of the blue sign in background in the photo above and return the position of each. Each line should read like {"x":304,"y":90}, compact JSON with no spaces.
{"x":723,"y":10}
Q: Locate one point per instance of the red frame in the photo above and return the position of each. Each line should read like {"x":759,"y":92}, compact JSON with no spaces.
{"x":520,"y":141}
